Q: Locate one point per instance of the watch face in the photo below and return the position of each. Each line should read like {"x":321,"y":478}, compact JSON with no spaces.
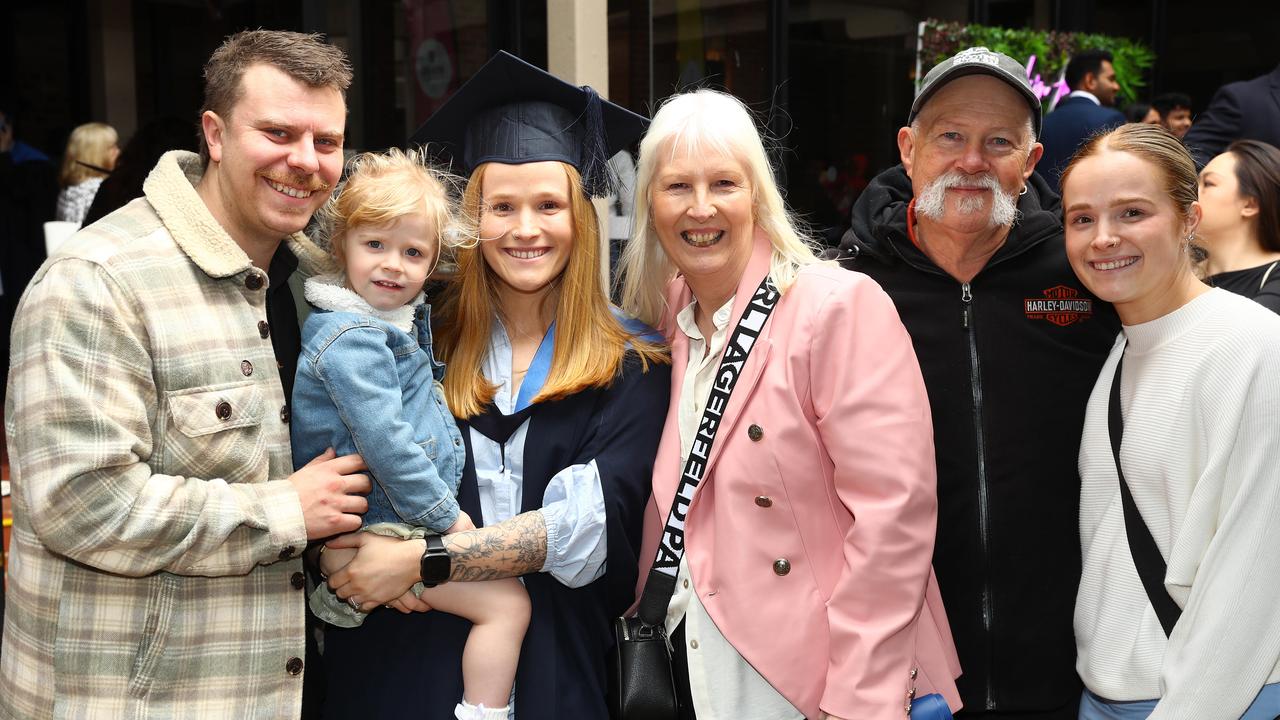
{"x":436,"y":563}
{"x":435,"y":568}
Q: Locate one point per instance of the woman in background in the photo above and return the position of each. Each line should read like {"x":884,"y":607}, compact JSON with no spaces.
{"x":1141,"y":112}
{"x":91,"y":153}
{"x":1240,"y":230}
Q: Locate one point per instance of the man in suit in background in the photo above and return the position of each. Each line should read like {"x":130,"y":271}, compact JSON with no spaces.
{"x":1087,"y":110}
{"x":1249,"y":109}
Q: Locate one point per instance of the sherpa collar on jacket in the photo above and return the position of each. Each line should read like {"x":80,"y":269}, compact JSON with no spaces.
{"x":329,"y":292}
{"x":171,"y":190}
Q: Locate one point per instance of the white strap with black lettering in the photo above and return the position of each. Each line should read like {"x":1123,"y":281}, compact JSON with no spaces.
{"x":661,"y":582}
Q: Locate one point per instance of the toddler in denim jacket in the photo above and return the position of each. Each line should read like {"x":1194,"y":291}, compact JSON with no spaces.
{"x":368,"y":383}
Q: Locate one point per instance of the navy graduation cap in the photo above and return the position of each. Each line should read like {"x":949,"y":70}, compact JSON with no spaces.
{"x":512,"y":112}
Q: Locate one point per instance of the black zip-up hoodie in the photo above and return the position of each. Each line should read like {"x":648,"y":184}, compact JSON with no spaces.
{"x":1009,"y":360}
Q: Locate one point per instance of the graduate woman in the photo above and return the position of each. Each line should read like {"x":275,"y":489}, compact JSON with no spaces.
{"x":560,"y":400}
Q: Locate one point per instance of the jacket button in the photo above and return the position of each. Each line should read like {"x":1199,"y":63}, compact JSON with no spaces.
{"x":253,"y":281}
{"x":246,"y":367}
{"x":294,"y":666}
{"x":223,"y":410}
{"x":914,"y":672}
{"x":286,"y":553}
{"x":264,"y":329}
{"x":781,"y":566}
{"x":284,"y":414}
{"x":764,"y":501}
{"x":297,"y":580}
{"x":755,"y":432}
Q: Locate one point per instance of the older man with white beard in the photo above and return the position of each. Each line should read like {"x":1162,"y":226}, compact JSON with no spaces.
{"x":969,"y":243}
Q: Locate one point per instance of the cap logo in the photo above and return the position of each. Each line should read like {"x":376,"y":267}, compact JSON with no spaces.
{"x":976,"y":55}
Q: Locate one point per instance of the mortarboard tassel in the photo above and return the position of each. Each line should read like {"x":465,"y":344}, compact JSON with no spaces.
{"x":597,"y":177}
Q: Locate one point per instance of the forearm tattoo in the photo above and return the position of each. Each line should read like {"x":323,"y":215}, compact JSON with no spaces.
{"x":515,"y":547}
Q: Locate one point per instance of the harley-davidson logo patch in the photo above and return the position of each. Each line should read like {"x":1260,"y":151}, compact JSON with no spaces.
{"x":1060,"y":305}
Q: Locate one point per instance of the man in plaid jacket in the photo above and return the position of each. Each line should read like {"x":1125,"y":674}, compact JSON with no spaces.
{"x":155,"y":567}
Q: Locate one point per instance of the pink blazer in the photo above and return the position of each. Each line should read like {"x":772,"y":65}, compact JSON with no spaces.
{"x":824,"y":460}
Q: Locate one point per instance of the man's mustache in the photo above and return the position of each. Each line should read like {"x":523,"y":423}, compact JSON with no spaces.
{"x":310,"y":183}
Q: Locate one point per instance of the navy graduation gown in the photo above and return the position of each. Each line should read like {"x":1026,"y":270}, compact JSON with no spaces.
{"x":398,"y":666}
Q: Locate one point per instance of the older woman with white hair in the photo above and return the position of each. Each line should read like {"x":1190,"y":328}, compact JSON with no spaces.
{"x":791,"y":525}
{"x":91,"y":155}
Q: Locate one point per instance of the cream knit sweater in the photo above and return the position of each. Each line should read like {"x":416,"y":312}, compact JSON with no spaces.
{"x":1200,"y":394}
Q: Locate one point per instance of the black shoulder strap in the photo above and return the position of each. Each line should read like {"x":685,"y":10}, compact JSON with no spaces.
{"x":1146,"y":554}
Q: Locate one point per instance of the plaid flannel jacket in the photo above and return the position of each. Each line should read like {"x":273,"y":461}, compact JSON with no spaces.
{"x":155,"y":565}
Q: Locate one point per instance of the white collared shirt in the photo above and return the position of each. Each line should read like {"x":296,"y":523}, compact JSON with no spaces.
{"x":1086,"y":94}
{"x":573,"y":502}
{"x":721,"y":682}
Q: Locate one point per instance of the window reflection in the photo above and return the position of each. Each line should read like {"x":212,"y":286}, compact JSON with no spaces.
{"x":711,"y":43}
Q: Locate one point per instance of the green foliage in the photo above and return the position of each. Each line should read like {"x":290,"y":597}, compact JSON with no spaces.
{"x":1051,"y":49}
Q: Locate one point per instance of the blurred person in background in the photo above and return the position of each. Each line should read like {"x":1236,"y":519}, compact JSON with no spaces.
{"x":1088,"y":109}
{"x":1140,"y":112}
{"x":91,"y":153}
{"x":1240,"y":230}
{"x":28,"y":197}
{"x":1174,"y":109}
{"x":1246,"y":110}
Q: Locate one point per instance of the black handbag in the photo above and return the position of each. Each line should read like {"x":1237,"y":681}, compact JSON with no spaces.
{"x":641,"y":685}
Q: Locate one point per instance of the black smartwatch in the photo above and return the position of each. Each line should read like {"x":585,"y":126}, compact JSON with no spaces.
{"x":436,"y":563}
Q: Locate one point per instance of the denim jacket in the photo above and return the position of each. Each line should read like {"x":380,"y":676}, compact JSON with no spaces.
{"x":365,"y":385}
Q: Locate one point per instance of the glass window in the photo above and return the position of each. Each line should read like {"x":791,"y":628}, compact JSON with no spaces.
{"x":447,"y":41}
{"x":849,"y":71}
{"x":712,"y":43}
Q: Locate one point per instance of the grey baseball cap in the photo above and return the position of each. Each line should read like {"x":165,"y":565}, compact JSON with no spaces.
{"x":978,"y":61}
